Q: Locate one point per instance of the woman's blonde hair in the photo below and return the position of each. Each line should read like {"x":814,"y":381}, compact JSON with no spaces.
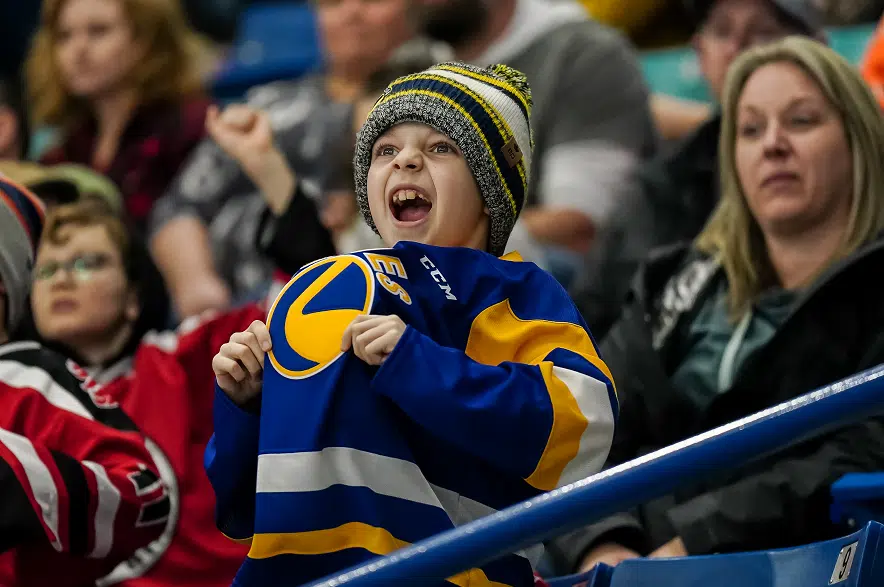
{"x":168,"y":71}
{"x":732,"y":235}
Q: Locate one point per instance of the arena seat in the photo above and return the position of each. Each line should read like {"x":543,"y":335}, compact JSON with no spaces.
{"x":856,"y":560}
{"x":275,"y":40}
{"x":858,"y":498}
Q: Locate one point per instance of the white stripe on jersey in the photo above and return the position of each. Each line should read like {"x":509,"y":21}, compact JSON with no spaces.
{"x":40,"y":483}
{"x":106,"y":512}
{"x":21,"y":376}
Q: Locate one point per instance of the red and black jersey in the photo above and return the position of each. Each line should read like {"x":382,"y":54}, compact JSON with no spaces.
{"x":168,"y":387}
{"x":80,"y":490}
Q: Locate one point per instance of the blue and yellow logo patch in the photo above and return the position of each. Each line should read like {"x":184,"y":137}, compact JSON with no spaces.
{"x":310,"y":314}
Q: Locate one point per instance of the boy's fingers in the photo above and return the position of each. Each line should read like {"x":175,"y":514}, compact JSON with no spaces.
{"x":372,"y":334}
{"x":347,"y":339}
{"x":259,"y":329}
{"x":251,"y":362}
{"x":355,"y":328}
{"x":382,"y":345}
{"x":252,"y":355}
{"x":366,"y":322}
{"x":242,"y":355}
{"x":226,"y":366}
{"x":225,"y":382}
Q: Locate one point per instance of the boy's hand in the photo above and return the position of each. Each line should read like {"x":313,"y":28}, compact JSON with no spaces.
{"x":373,"y":338}
{"x":239,"y":365}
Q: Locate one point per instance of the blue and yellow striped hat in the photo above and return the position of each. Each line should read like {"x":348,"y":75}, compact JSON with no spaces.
{"x":485,"y":111}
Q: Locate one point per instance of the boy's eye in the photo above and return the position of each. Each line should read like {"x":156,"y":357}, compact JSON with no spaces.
{"x":443,"y":148}
{"x":385,"y":151}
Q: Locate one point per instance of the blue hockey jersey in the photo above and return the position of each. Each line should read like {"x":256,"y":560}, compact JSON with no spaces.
{"x":494,"y":394}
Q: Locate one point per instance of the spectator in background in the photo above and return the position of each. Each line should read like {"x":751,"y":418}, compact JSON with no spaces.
{"x":679,"y":189}
{"x":203,"y":231}
{"x":15,"y":131}
{"x":98,"y":298}
{"x":119,"y":78}
{"x":60,"y":457}
{"x":770,"y":302}
{"x":591,"y":118}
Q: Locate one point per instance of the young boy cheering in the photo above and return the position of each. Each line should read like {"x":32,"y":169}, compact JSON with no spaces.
{"x":472,"y":384}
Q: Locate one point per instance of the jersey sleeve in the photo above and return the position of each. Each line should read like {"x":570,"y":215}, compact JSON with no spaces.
{"x":231,"y":462}
{"x":68,"y":480}
{"x":529,"y":393}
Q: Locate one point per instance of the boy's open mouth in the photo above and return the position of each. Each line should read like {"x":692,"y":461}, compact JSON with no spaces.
{"x":409,"y":205}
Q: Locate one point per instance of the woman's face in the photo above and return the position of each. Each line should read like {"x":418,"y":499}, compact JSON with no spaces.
{"x":81,"y":293}
{"x":791,"y":153}
{"x":95,"y":48}
{"x":362,"y":34}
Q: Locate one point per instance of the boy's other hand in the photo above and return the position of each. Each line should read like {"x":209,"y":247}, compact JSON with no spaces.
{"x":239,"y":365}
{"x":373,"y":338}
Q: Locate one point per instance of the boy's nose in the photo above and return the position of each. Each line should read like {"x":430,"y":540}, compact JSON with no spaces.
{"x":409,"y":159}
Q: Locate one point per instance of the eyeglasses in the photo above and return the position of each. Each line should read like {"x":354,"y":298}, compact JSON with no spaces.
{"x":81,"y":267}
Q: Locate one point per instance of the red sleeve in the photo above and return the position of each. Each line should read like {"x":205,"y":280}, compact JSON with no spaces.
{"x":198,"y":339}
{"x":67,"y":480}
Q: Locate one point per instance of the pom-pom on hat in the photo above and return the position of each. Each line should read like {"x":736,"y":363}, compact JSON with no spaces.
{"x":485,"y":111}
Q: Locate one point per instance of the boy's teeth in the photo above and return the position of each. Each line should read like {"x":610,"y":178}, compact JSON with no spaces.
{"x":405,"y":195}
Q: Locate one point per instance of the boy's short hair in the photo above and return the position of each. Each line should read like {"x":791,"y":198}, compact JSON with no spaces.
{"x":485,"y":111}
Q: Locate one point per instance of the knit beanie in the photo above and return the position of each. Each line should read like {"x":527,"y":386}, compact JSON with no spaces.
{"x":485,"y":111}
{"x":21,"y":222}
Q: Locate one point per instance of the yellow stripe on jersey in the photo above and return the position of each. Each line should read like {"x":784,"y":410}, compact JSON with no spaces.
{"x":497,"y":335}
{"x":351,"y":535}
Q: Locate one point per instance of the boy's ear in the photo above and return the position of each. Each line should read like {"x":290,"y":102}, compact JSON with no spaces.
{"x":486,"y":211}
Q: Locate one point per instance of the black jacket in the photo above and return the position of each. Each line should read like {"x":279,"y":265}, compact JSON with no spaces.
{"x":295,"y":237}
{"x":835,"y":329}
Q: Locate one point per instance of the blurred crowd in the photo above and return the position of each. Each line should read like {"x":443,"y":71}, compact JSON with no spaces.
{"x":721,"y":253}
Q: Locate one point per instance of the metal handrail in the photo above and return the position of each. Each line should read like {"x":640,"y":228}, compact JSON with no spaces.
{"x":659,"y":473}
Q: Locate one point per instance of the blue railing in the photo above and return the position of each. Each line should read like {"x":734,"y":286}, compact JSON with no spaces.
{"x":659,"y":473}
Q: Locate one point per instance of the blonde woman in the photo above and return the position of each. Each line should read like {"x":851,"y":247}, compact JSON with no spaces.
{"x":120,"y":79}
{"x":775,"y":298}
